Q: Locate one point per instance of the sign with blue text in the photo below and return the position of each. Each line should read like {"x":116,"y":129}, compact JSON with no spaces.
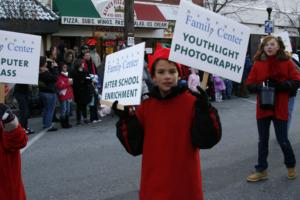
{"x":19,"y":57}
{"x":210,"y":42}
{"x":123,"y":76}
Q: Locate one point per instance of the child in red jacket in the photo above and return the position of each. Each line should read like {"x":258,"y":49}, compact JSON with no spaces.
{"x":12,"y":139}
{"x":65,"y":94}
{"x":166,"y":128}
{"x":274,"y":68}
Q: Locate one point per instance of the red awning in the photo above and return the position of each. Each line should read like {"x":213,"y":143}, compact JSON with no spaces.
{"x":147,"y":12}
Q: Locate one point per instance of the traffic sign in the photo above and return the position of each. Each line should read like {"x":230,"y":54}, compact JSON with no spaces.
{"x":269,"y":27}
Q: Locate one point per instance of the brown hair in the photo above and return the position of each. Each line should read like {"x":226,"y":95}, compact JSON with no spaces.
{"x":43,"y":60}
{"x":69,"y":52}
{"x":281,"y":54}
{"x":77,"y":63}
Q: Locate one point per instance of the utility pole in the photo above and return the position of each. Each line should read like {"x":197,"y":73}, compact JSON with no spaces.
{"x":269,"y":10}
{"x":129,"y":22}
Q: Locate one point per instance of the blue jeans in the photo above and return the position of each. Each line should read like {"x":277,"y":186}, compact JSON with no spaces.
{"x":65,"y":108}
{"x":291,"y":108}
{"x":280,"y":127}
{"x":48,"y":100}
{"x":228,"y":90}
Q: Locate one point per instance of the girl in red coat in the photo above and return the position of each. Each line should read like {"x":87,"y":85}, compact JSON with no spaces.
{"x":165,"y":129}
{"x":273,"y":67}
{"x":12,"y":138}
{"x":65,"y":94}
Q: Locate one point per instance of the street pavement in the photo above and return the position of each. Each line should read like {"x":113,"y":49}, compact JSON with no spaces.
{"x":88,"y":163}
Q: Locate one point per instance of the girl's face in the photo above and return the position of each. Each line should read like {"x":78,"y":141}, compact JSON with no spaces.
{"x":194,"y":71}
{"x":165,"y":76}
{"x":64,"y":68}
{"x":87,"y":56}
{"x":82,"y":66}
{"x":271,"y":47}
{"x":69,"y":58}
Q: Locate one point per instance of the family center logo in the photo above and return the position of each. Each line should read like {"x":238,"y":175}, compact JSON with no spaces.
{"x":210,"y":42}
{"x":19,"y":57}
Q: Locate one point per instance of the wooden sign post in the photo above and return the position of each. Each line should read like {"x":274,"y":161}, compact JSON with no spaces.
{"x":204,"y":81}
{"x":2,"y":93}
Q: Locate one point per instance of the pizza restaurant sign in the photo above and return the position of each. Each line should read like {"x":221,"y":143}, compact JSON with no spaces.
{"x":112,"y":14}
{"x":110,"y":9}
{"x":111,"y":22}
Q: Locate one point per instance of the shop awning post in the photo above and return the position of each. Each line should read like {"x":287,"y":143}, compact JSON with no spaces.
{"x":2,"y":93}
{"x":129,"y":22}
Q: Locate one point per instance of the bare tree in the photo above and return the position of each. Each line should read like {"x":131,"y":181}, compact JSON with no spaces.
{"x":229,"y":7}
{"x":290,"y":12}
{"x":219,"y":6}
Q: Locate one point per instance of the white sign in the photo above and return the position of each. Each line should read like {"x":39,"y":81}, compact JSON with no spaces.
{"x":110,"y":8}
{"x":148,"y":50}
{"x":286,"y":40}
{"x":130,"y":41}
{"x":111,"y":22}
{"x":210,"y":42}
{"x":123,"y":75}
{"x":19,"y":57}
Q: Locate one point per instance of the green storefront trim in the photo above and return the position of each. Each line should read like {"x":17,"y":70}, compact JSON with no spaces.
{"x":78,"y":8}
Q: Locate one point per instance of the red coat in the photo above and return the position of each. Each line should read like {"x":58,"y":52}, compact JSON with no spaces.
{"x":281,"y":71}
{"x":11,"y":184}
{"x":170,"y":163}
{"x":64,"y":87}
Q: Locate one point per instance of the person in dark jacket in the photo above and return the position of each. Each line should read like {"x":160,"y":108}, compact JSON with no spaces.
{"x":52,"y":65}
{"x":47,"y":91}
{"x":81,"y":90}
{"x":12,"y":139}
{"x":69,"y":59}
{"x":90,"y":67}
{"x":22,"y":93}
{"x":165,"y":132}
{"x":274,"y":68}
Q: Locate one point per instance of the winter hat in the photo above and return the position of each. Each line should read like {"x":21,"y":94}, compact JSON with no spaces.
{"x":161,"y":53}
{"x":84,"y":47}
{"x":92,"y":42}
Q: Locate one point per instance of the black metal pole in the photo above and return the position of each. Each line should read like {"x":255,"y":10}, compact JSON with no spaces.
{"x":128,"y":20}
{"x":269,"y":10}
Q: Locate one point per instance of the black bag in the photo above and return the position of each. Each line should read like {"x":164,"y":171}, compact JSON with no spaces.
{"x":267,"y":98}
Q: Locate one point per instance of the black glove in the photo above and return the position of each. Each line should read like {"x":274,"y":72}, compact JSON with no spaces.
{"x":121,"y":113}
{"x":254,"y":88}
{"x":281,"y":86}
{"x":202,"y":102}
{"x":272,"y":83}
{"x":6,"y":114}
